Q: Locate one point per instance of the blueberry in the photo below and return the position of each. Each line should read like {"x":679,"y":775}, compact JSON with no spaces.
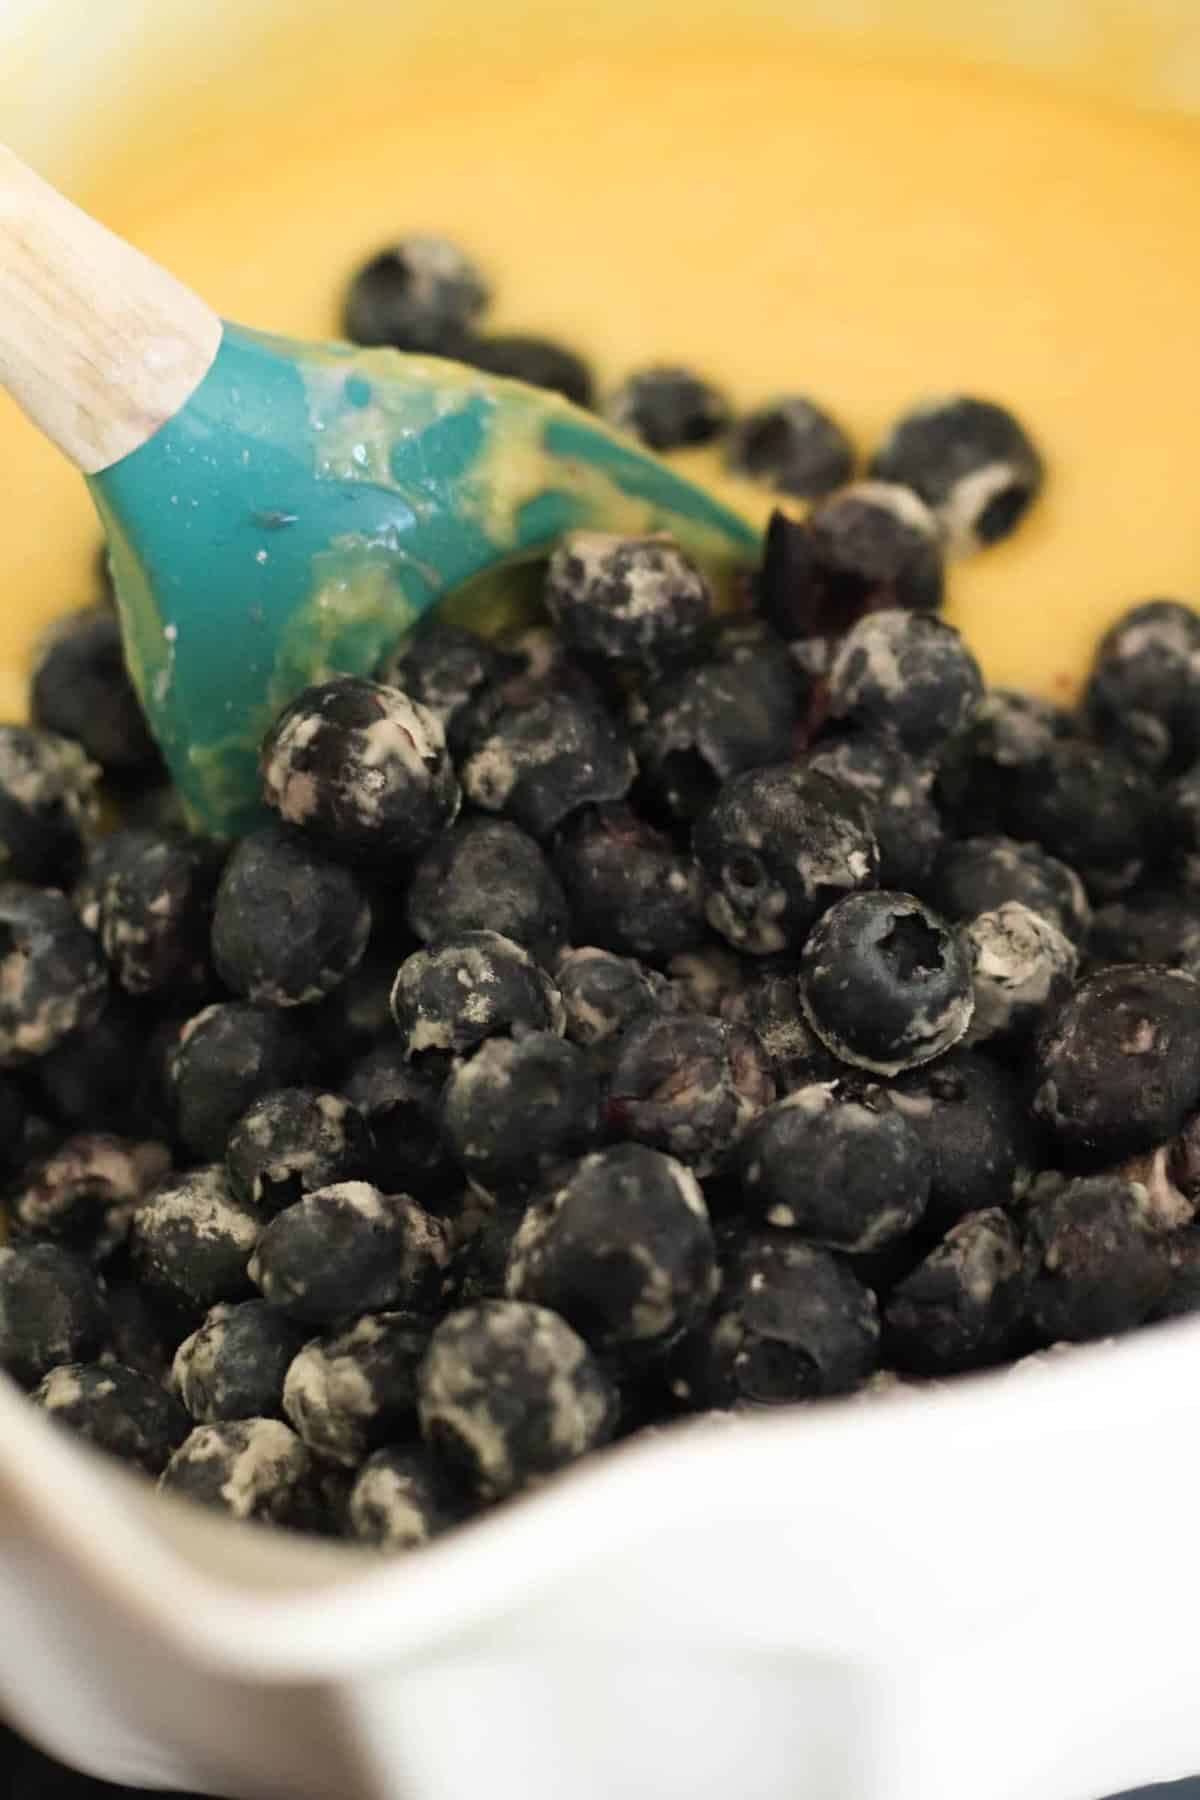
{"x":421,"y":294}
{"x":53,"y":979}
{"x":288,"y":924}
{"x":517,"y":1107}
{"x":362,"y":768}
{"x":896,"y":791}
{"x":49,"y":809}
{"x":603,"y":993}
{"x":351,"y":1393}
{"x":538,"y":757}
{"x":976,"y":875}
{"x":1022,"y":970}
{"x":488,"y":875}
{"x":356,"y":1017}
{"x":51,"y":1311}
{"x":117,"y":1410}
{"x":774,"y":849}
{"x":1181,"y":828}
{"x":1117,"y":1069}
{"x":80,"y":688}
{"x":92,"y":1082}
{"x":247,"y":1468}
{"x":400,"y":1108}
{"x":508,"y":1394}
{"x":233,"y":1365}
{"x":1143,"y":691}
{"x":397,"y":1502}
{"x":460,"y":991}
{"x":225,"y":1058}
{"x":793,"y":445}
{"x":148,"y":897}
{"x":1088,"y":807}
{"x":704,"y":980}
{"x":983,"y":775}
{"x":85,"y":1192}
{"x":628,"y":888}
{"x":144,"y":1329}
{"x":970,"y":460}
{"x":769,"y":1004}
{"x":970,"y":1113}
{"x":537,"y":361}
{"x":191,"y":1239}
{"x":1151,"y":925}
{"x":907,"y":677}
{"x":886,"y":984}
{"x":839,"y":1167}
{"x":636,"y":602}
{"x":1093,"y":1269}
{"x":959,"y":1307}
{"x":688,"y":1085}
{"x":874,"y":545}
{"x":443,"y":666}
{"x":348,"y":1248}
{"x":668,"y":407}
{"x":293,"y":1141}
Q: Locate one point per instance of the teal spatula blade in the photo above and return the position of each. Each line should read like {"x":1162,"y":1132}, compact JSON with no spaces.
{"x":310,"y":502}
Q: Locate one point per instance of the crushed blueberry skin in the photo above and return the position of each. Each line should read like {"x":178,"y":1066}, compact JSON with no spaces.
{"x":688,"y":998}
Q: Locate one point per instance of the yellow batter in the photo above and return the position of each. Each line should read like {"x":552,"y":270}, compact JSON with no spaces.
{"x":779,"y":220}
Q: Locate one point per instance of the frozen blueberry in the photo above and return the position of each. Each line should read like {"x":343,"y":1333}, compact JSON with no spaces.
{"x":1143,"y":692}
{"x":116,"y":1409}
{"x":628,"y":888}
{"x":397,"y":1502}
{"x":51,"y":1310}
{"x":970,"y":1114}
{"x":85,"y":1193}
{"x":349,"y":1394}
{"x":1023,"y":967}
{"x":540,"y":756}
{"x":978,"y":874}
{"x":349,"y":1249}
{"x":362,"y":768}
{"x":80,"y":688}
{"x":148,"y":898}
{"x":443,"y":666}
{"x":452,"y":997}
{"x":689,"y":1085}
{"x":905,"y":676}
{"x":885,"y":983}
{"x":421,"y":294}
{"x":602,"y":994}
{"x":224,"y":1059}
{"x":233,"y":1366}
{"x":622,"y":1249}
{"x":289,"y":924}
{"x":958,"y":1308}
{"x":400,"y":1108}
{"x":1090,"y":808}
{"x":487,"y":875}
{"x":638,"y":602}
{"x":192,"y":1237}
{"x":1093,"y":1269}
{"x":769,"y":1004}
{"x":249,"y":1468}
{"x":1010,"y":737}
{"x":92,"y":1081}
{"x":1152,"y":925}
{"x":668,"y":408}
{"x":970,"y":460}
{"x":1117,"y":1069}
{"x":53,"y":979}
{"x":778,"y":846}
{"x":294,"y":1141}
{"x":793,"y":445}
{"x":791,"y":1323}
{"x":896,"y":791}
{"x":518,"y":1106}
{"x":508,"y":1394}
{"x":537,"y":361}
{"x":838,"y":1166}
{"x":49,"y":808}
{"x":1181,"y":828}
{"x":873,"y":545}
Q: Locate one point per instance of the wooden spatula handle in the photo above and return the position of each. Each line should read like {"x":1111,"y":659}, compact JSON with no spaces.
{"x":97,"y":343}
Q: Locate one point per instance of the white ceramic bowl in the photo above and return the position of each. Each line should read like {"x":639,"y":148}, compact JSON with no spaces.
{"x":974,"y":1594}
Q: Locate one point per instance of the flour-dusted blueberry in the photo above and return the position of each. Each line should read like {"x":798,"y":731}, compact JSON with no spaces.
{"x":52,"y":1310}
{"x":508,"y":1394}
{"x":225,"y":1058}
{"x":294,"y":1141}
{"x":289,"y":924}
{"x":874,"y":545}
{"x":401,"y":1110}
{"x":92,"y":1081}
{"x":144,"y":1329}
{"x":668,"y":408}
{"x":443,"y":666}
{"x":905,"y":676}
{"x":637,"y":602}
{"x":1023,"y":968}
{"x":362,"y":769}
{"x":603,"y":993}
{"x":688,"y":1085}
{"x":793,"y":445}
{"x":1117,"y":1069}
{"x":53,"y":978}
{"x":539,"y":755}
{"x":629,"y":888}
{"x":837,"y":1165}
{"x":970,"y":1113}
{"x":791,"y":1323}
{"x":978,"y":874}
{"x":397,"y":1502}
{"x":983,"y":774}
{"x":897,"y":792}
{"x":85,"y":1193}
{"x":1143,"y":691}
{"x":704,"y":980}
{"x":1090,"y":808}
{"x":517,"y":1107}
{"x":116,"y":1409}
{"x":537,"y":361}
{"x":622,"y":1248}
{"x":80,"y":688}
{"x":352,"y":1392}
{"x":488,"y":875}
{"x":148,"y":897}
{"x":886,"y":984}
{"x":248,"y":1468}
{"x":1181,"y":828}
{"x":1151,"y":925}
{"x":191,"y":1239}
{"x":959,"y":1307}
{"x":422,"y":293}
{"x":1093,"y":1269}
{"x":349,"y":1249}
{"x":777,"y":846}
{"x":460,"y":991}
{"x":233,"y":1365}
{"x":49,"y":809}
{"x":769,"y":1005}
{"x":970,"y":460}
